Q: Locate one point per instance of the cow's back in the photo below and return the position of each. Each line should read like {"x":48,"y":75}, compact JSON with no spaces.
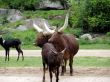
{"x":72,"y":44}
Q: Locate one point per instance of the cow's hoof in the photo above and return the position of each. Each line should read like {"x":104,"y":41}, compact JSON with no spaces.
{"x":62,"y":74}
{"x":71,"y":74}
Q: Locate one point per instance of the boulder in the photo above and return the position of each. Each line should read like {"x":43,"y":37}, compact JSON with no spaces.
{"x":14,"y":15}
{"x":49,"y":4}
{"x":3,"y":12}
{"x":29,"y":24}
{"x":21,"y":28}
{"x":86,"y":37}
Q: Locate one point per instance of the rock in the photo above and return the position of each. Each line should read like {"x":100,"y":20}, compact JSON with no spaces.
{"x":3,"y":12}
{"x":40,"y":23}
{"x":29,"y":23}
{"x":86,"y":37}
{"x":21,"y":28}
{"x":47,"y":4}
{"x":14,"y":15}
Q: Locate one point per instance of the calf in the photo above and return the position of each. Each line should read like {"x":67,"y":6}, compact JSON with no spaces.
{"x":53,"y":59}
{"x":14,"y":43}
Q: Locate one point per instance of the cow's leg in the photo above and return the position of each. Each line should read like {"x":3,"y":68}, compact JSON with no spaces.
{"x":17,"y":48}
{"x":6,"y":53}
{"x":50,"y":72}
{"x":44,"y":72}
{"x":57,"y":74}
{"x":64,"y":67}
{"x":70,"y":64}
{"x":21,"y":53}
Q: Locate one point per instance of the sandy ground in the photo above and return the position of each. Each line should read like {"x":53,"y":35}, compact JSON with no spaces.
{"x":35,"y":75}
{"x":99,"y":53}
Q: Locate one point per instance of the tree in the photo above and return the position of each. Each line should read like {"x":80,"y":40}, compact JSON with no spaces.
{"x":92,"y":15}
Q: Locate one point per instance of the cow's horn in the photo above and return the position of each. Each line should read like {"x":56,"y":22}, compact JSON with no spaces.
{"x":37,"y":27}
{"x":65,"y":23}
{"x":47,"y":28}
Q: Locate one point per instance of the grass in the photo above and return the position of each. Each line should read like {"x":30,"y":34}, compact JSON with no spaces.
{"x":85,"y":46}
{"x":95,"y":46}
{"x":37,"y":62}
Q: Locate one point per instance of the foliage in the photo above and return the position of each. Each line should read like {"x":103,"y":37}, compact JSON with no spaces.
{"x":108,"y":34}
{"x":94,"y":46}
{"x":91,"y":15}
{"x":75,"y":31}
{"x":27,"y":37}
{"x":21,"y":4}
{"x":3,"y":4}
{"x":97,"y":40}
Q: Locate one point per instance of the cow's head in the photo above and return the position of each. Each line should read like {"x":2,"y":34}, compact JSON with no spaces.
{"x":45,"y":34}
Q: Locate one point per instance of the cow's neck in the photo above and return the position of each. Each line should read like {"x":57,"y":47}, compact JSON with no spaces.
{"x":60,"y":45}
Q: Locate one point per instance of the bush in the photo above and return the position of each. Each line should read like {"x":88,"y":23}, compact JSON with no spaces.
{"x":27,"y":37}
{"x":97,"y":15}
{"x":76,"y":31}
{"x":108,"y":34}
{"x":85,"y":41}
{"x":91,"y":15}
{"x":21,"y":4}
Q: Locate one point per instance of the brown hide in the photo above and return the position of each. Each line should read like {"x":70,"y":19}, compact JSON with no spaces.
{"x":62,"y":41}
{"x":53,"y":59}
{"x":42,"y":39}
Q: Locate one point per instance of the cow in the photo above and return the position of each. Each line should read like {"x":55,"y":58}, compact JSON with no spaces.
{"x":7,"y":44}
{"x":60,"y":41}
{"x":52,"y":59}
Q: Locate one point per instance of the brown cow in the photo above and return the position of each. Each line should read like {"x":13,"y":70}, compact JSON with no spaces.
{"x":52,"y":59}
{"x":60,"y":41}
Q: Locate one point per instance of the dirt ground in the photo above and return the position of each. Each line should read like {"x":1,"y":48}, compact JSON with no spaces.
{"x":35,"y":75}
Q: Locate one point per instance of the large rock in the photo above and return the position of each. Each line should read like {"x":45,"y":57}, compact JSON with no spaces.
{"x":86,"y":37}
{"x":12,"y":15}
{"x":29,"y":24}
{"x":47,"y":4}
{"x":21,"y":28}
{"x":3,"y":12}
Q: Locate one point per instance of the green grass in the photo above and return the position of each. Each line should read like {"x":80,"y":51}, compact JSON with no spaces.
{"x":37,"y":62}
{"x":28,"y":62}
{"x":95,"y":46}
{"x":92,"y":61}
{"x":85,"y":46}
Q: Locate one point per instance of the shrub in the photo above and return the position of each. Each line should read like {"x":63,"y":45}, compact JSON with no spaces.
{"x":108,"y":34}
{"x":76,"y":31}
{"x":21,"y":4}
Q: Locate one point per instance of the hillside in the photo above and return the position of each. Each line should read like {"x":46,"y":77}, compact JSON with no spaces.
{"x":85,"y":17}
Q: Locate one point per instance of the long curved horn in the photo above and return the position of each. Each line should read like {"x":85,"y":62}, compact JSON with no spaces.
{"x":37,"y":27}
{"x":65,"y":23}
{"x":47,"y":28}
